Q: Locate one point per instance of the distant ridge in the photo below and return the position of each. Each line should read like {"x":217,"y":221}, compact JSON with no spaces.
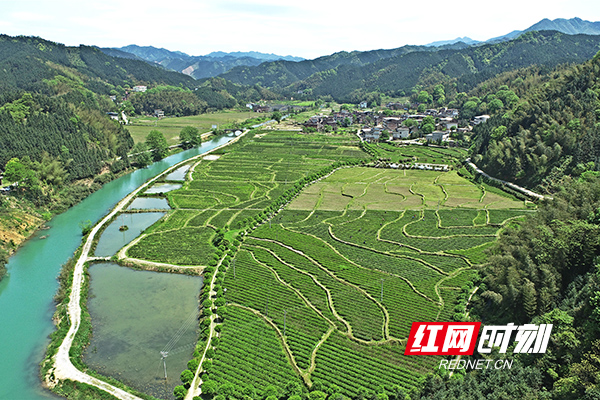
{"x":254,"y":54}
{"x":198,"y":67}
{"x":465,"y":39}
{"x":573,"y":26}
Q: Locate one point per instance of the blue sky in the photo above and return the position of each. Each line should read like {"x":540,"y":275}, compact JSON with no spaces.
{"x":306,"y":28}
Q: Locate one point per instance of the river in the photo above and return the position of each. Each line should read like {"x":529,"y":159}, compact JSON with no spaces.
{"x":26,"y":293}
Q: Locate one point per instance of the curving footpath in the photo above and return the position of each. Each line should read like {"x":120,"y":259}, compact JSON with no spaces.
{"x":63,"y":368}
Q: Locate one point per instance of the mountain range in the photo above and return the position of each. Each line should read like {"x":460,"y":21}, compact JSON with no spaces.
{"x":571,"y":26}
{"x":197,"y":67}
{"x":350,"y":77}
{"x":273,"y":70}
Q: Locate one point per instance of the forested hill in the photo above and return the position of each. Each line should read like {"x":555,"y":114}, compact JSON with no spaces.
{"x":26,"y":62}
{"x":348,"y":76}
{"x":54,"y":100}
{"x":554,"y":131}
{"x":279,"y":74}
{"x":55,"y":136}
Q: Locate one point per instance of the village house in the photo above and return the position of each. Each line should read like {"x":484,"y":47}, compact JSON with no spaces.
{"x":401,"y":132}
{"x":159,"y":113}
{"x":372,"y":134}
{"x":448,"y":122}
{"x":448,"y":112}
{"x":261,"y":109}
{"x":363,"y":104}
{"x":417,"y":117}
{"x":140,"y":89}
{"x":396,"y":106}
{"x":113,"y":115}
{"x":437,"y":136}
{"x":331,"y":121}
{"x":391,"y":123}
{"x":315,"y":122}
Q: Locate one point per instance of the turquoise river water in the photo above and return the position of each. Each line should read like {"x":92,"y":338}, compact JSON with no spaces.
{"x":26,"y":293}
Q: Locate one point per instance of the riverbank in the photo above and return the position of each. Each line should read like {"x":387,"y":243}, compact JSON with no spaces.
{"x":58,"y":366}
{"x":20,"y":219}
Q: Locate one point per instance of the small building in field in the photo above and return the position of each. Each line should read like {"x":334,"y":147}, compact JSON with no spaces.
{"x":159,"y":113}
{"x":113,"y":115}
{"x":480,"y":118}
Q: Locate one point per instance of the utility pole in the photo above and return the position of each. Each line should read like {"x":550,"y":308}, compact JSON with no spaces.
{"x":234,"y":268}
{"x":382,"y":289}
{"x":164,"y":355}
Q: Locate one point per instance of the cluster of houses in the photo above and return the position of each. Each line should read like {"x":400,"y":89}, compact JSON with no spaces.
{"x":336,"y":119}
{"x":446,"y":123}
{"x":374,"y":124}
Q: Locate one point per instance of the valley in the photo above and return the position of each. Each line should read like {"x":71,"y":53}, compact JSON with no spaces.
{"x":263,"y":227}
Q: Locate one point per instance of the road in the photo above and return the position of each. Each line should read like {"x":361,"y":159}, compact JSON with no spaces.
{"x":62,"y":368}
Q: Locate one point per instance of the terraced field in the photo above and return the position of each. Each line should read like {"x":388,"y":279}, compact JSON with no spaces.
{"x":387,"y":243}
{"x":326,"y":286}
{"x":229,"y":191}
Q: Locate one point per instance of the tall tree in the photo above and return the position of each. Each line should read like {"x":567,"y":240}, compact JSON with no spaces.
{"x":157,"y":143}
{"x":190,"y":137}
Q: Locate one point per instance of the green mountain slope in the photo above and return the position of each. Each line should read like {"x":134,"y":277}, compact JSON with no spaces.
{"x":279,"y":74}
{"x":26,"y":61}
{"x":56,"y":142}
{"x":554,"y":131}
{"x":394,"y":71}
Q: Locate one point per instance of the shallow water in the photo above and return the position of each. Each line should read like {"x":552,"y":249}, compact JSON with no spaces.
{"x":136,"y":315}
{"x":163,"y":187}
{"x":26,"y":293}
{"x":112,"y":239}
{"x":178,"y":174}
{"x":149,"y":203}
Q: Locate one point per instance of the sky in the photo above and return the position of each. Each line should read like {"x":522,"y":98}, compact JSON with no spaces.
{"x":305,"y":28}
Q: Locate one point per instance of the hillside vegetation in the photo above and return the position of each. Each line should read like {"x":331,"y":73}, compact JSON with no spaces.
{"x":348,"y":77}
{"x":553,"y":131}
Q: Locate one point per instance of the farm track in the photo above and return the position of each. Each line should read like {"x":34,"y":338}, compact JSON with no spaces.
{"x":62,"y":367}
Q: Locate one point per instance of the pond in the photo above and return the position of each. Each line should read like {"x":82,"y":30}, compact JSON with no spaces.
{"x":149,"y":203}
{"x":163,"y":187}
{"x":112,"y":239}
{"x":26,"y":293}
{"x":178,"y":174}
{"x":136,"y":315}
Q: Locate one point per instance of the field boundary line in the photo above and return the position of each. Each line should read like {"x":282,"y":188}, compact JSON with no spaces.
{"x":308,"y":302}
{"x":324,"y":269}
